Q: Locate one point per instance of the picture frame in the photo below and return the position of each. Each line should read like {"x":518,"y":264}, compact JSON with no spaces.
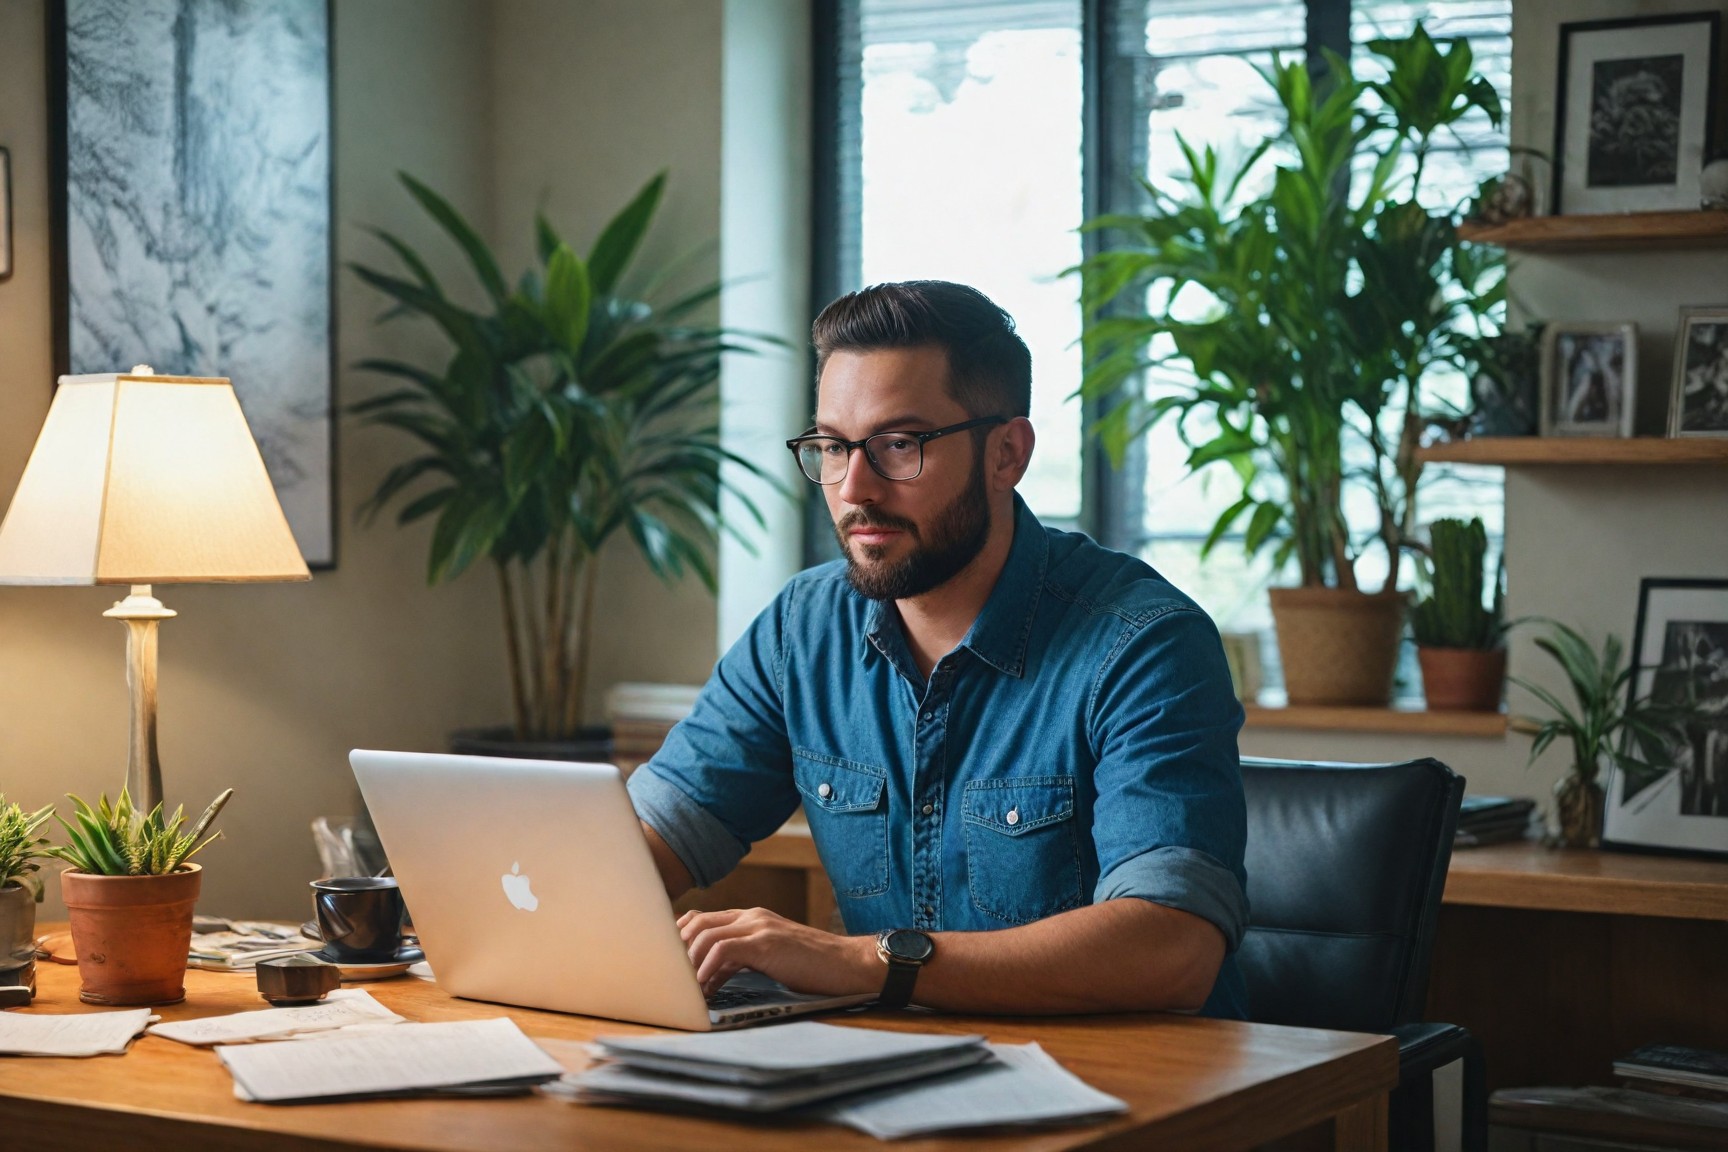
{"x":1698,"y":403}
{"x":1679,"y":652}
{"x":1634,"y":112}
{"x":5,"y":214}
{"x":1589,"y":379}
{"x":192,"y":216}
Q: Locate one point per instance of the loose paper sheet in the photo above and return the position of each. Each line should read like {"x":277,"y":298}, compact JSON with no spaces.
{"x":802,"y":1050}
{"x":1023,"y":1086}
{"x":342,"y":1008}
{"x":81,"y":1034}
{"x":379,"y":1061}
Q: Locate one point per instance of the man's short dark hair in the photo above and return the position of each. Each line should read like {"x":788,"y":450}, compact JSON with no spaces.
{"x":989,"y":368}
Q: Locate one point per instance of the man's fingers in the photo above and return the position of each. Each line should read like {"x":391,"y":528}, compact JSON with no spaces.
{"x":693,"y":922}
{"x":724,"y":959}
{"x":705,"y":939}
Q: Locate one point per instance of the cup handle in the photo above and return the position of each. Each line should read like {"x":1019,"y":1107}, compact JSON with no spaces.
{"x":331,"y":923}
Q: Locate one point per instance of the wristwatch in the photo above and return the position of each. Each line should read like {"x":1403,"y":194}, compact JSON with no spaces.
{"x":905,"y":951}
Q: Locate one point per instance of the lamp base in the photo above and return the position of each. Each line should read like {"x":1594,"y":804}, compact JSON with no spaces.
{"x":141,"y":612}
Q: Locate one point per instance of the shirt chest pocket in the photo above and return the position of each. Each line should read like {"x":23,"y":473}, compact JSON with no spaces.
{"x":847,"y":805}
{"x":1022,"y":851}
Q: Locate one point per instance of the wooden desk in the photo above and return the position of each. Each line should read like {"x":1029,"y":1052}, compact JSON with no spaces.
{"x":1191,"y":1083}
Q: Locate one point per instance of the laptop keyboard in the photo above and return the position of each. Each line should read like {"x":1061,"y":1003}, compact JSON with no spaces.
{"x":742,"y":998}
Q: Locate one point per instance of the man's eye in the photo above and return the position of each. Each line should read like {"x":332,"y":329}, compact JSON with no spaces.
{"x":833,"y":448}
{"x":897,"y":444}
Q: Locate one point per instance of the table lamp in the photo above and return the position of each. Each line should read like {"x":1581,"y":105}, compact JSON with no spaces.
{"x":138,"y":479}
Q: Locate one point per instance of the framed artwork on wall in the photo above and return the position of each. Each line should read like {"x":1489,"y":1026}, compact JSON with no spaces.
{"x":1634,"y":113}
{"x":1699,"y":404}
{"x":1589,"y":376}
{"x":191,"y":204}
{"x":5,"y":214}
{"x":1680,"y":658}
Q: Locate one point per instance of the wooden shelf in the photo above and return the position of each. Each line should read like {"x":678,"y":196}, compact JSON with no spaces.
{"x":1604,"y":233}
{"x":1527,"y":875}
{"x":1402,"y":721}
{"x":1543,"y":450}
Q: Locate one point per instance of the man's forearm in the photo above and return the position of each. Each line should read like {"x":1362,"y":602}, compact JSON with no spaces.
{"x":1119,"y":956}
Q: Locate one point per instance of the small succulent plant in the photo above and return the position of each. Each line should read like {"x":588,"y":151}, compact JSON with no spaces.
{"x":118,"y":840}
{"x":21,"y":847}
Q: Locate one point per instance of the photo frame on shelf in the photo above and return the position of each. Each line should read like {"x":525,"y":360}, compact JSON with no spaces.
{"x":1635,"y":112}
{"x":1698,"y":404}
{"x":192,"y":216}
{"x":1589,"y":379}
{"x":1679,"y":656}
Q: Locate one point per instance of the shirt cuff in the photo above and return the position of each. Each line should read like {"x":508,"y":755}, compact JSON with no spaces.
{"x":696,"y":837}
{"x":1184,"y":879}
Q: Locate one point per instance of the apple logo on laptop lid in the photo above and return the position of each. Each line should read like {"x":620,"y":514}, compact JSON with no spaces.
{"x":517,"y":888}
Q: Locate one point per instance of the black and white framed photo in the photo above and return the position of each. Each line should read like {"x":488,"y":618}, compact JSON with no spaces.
{"x":1679,"y":658}
{"x":1634,"y":114}
{"x":1589,"y":375}
{"x":1699,"y":405}
{"x":191,"y":205}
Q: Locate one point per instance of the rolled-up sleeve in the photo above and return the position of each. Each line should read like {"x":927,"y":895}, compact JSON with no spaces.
{"x":1170,"y":823}
{"x":723,"y":778}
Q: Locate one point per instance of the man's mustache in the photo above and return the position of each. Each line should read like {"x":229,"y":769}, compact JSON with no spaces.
{"x":855,"y":520}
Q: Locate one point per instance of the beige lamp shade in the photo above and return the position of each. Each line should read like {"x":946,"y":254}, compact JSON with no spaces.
{"x":144,"y":479}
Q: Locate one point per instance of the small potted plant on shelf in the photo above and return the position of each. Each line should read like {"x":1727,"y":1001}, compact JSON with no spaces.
{"x":20,"y":888}
{"x":1606,"y":724}
{"x":130,"y":893}
{"x":1460,"y":641}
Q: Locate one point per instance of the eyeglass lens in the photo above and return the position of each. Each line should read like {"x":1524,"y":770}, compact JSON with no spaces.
{"x":895,"y":456}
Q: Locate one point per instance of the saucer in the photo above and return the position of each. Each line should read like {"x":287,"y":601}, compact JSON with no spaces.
{"x":406,"y":956}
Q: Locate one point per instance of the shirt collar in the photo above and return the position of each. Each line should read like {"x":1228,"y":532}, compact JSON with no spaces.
{"x":1001,"y":632}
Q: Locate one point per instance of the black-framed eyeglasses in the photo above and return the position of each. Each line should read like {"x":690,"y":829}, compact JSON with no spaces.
{"x":893,"y":455}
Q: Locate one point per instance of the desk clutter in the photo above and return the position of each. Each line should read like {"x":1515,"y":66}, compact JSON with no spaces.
{"x":1492,"y":820}
{"x":1670,"y":1096}
{"x":890,"y":1085}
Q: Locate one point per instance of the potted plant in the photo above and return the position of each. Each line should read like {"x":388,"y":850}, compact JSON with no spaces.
{"x":1605,"y":724}
{"x":1290,"y":318}
{"x":1460,"y":641}
{"x":20,"y":888}
{"x":130,"y":893}
{"x":570,"y":411}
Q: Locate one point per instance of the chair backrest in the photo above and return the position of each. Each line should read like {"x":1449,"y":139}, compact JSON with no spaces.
{"x":1346,"y":864}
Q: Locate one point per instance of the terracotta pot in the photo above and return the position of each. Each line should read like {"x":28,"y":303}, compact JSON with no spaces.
{"x":17,"y":926}
{"x":1463,"y":679}
{"x":131,"y":934}
{"x":1338,"y":646}
{"x":1578,"y":805}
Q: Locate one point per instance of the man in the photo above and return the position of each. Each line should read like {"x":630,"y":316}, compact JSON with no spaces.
{"x":1016,"y":749}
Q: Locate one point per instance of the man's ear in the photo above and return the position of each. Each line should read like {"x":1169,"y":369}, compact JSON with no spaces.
{"x":1011,"y":453}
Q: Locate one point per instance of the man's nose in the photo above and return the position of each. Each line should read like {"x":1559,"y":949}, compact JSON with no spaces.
{"x":862,"y":485}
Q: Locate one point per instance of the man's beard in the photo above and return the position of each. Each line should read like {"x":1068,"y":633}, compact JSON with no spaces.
{"x":957,"y":535}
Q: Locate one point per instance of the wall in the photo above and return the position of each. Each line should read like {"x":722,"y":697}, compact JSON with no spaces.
{"x":264,"y":688}
{"x":590,"y":100}
{"x":1578,"y":540}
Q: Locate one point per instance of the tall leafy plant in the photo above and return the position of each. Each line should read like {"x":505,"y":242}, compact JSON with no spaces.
{"x":570,"y":410}
{"x":1327,"y":299}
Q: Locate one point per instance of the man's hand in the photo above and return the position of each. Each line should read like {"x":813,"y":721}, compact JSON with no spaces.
{"x":803,"y":958}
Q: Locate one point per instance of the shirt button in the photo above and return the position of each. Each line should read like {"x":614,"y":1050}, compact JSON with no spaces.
{"x":1013,"y":816}
{"x":825,"y":791}
{"x":929,"y":911}
{"x":929,"y":808}
{"x":929,"y":715}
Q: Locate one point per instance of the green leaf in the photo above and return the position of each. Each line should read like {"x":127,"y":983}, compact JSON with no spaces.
{"x":619,"y":240}
{"x":568,"y":297}
{"x":479,"y":255}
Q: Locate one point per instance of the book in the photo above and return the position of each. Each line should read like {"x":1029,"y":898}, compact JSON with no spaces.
{"x":1676,"y":1064}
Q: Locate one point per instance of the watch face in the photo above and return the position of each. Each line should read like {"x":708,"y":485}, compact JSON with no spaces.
{"x":913,"y":947}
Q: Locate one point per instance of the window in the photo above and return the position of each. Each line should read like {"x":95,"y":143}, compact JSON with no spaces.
{"x":963,"y":126}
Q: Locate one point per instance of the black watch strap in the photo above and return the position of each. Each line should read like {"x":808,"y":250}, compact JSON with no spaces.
{"x":897,"y":988}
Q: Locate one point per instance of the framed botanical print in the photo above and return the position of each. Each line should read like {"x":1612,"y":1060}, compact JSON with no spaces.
{"x":191,"y":215}
{"x":1680,"y":659}
{"x":1634,"y":115}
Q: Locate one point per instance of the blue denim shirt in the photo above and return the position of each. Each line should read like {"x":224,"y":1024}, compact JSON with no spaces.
{"x":1078,"y":746}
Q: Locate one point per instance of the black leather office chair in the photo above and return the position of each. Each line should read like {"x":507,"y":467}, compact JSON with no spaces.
{"x":1346,"y":863}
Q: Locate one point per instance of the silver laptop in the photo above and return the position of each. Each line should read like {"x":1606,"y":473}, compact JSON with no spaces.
{"x":530,"y":883}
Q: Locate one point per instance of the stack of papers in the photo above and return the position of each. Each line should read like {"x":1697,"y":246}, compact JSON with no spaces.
{"x":887,"y":1084}
{"x":469,"y":1057}
{"x":238,"y":945}
{"x":343,"y":1008}
{"x":83,"y":1034}
{"x":766,"y":1069}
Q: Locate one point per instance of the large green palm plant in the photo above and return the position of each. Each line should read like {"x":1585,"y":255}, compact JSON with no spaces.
{"x":1329,"y":297}
{"x":569,"y":411}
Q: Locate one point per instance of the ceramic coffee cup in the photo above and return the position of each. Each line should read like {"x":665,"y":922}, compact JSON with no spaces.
{"x":360,"y":917}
